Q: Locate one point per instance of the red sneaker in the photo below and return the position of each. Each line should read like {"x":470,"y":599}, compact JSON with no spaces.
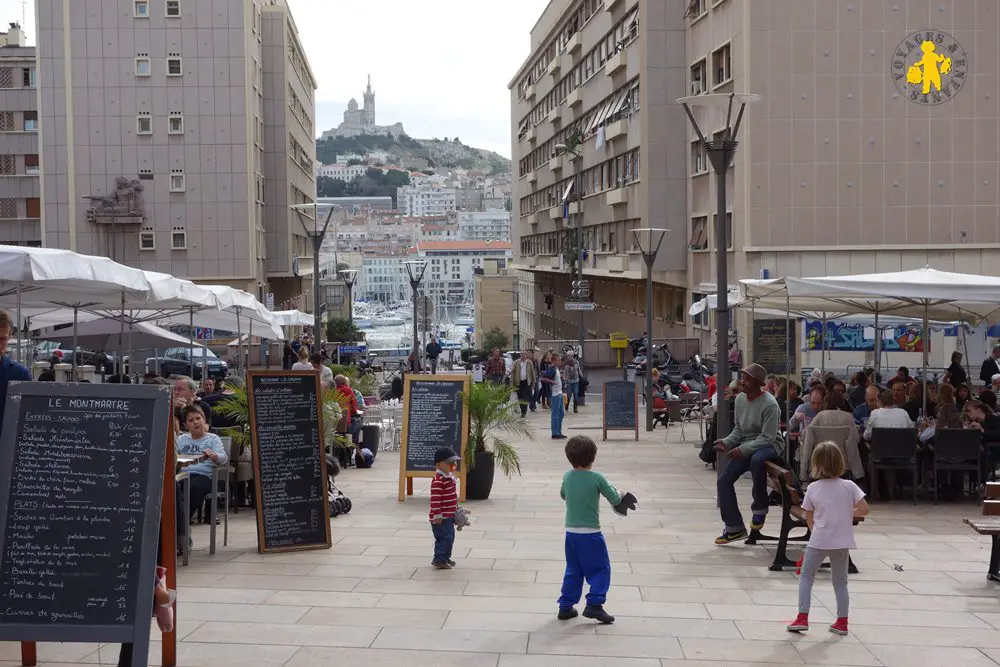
{"x":800,"y":623}
{"x":839,"y":627}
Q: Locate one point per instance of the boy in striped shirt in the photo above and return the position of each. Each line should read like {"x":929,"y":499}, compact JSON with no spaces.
{"x":444,"y":503}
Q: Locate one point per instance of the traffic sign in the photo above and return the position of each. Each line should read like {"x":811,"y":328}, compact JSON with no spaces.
{"x":352,"y":349}
{"x":204,"y":333}
{"x":578,"y":305}
{"x":270,"y":300}
{"x":470,"y":329}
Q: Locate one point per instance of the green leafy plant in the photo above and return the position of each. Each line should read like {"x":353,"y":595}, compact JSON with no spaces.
{"x":492,"y":418}
{"x":496,"y":337}
{"x":237,"y":408}
{"x":339,"y":330}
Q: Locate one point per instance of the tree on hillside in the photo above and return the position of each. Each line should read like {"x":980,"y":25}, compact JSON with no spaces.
{"x":354,"y":161}
{"x":330,"y":187}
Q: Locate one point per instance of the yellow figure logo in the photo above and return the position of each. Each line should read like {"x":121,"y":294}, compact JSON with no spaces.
{"x":929,"y":68}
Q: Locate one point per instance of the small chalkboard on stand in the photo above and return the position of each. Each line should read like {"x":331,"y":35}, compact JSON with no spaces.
{"x":621,"y":407}
{"x":434,"y":415}
{"x":289,"y":460}
{"x":81,"y":473}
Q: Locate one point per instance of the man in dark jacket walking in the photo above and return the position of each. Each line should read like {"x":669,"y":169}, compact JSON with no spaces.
{"x":433,"y":351}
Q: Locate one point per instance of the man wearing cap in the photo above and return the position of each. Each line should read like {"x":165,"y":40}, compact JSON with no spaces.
{"x":753,"y":442}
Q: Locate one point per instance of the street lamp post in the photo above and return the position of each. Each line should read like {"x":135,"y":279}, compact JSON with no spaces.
{"x":649,"y":240}
{"x":350,"y":277}
{"x":415,"y":271}
{"x":316,"y":236}
{"x":721,"y":150}
{"x":576,"y":189}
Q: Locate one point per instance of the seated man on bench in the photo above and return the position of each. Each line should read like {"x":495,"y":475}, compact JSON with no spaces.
{"x":753,"y":442}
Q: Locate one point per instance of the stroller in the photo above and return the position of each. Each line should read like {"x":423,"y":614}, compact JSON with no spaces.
{"x":339,"y":502}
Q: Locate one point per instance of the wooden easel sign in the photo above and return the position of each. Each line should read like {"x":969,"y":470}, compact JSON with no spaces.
{"x":289,"y":460}
{"x":621,"y":407}
{"x":81,"y":478}
{"x":434,"y":415}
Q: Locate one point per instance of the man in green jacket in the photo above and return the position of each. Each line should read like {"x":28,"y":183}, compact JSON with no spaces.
{"x":753,"y":442}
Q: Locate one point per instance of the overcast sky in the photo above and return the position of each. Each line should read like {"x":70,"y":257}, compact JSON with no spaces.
{"x":440,"y":68}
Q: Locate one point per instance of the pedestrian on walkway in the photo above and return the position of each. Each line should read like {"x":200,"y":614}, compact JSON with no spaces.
{"x":432,"y":352}
{"x":586,"y":551}
{"x":831,"y":503}
{"x":542,"y":397}
{"x":496,"y":369}
{"x":571,"y":369}
{"x":444,"y":504}
{"x":522,"y":378}
{"x":552,"y":386}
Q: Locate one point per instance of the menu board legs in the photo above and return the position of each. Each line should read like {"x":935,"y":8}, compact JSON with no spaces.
{"x":29,"y":654}
{"x":434,"y":415}
{"x":168,"y":544}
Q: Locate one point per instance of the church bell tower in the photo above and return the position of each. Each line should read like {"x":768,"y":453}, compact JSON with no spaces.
{"x":369,"y":114}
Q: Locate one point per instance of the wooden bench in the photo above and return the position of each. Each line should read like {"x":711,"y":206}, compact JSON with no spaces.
{"x":792,"y":517}
{"x":989,"y":524}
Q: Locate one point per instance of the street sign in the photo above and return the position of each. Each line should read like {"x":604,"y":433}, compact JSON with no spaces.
{"x":204,"y":333}
{"x":470,"y":330}
{"x":352,"y":349}
{"x":577,"y":305}
{"x":270,"y":300}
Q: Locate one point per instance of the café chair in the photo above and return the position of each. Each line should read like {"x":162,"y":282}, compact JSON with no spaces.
{"x":839,"y":435}
{"x":892,"y":449}
{"x":957,"y":449}
{"x":221,"y":477}
{"x":183,"y":479}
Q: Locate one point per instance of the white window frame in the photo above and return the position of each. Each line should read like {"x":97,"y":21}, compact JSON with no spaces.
{"x":135,"y":9}
{"x":166,"y":9}
{"x":139,"y":122}
{"x":182,"y":187}
{"x":173,"y":234}
{"x":149,"y":66}
{"x":180,"y":65}
{"x":703,"y":85}
{"x":144,"y":236}
{"x":170,"y":127}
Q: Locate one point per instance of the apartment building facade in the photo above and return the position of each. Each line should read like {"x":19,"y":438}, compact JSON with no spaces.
{"x":875,"y":146}
{"x":20,"y":184}
{"x":601,"y":78}
{"x":164,"y":145}
{"x":423,"y":200}
{"x":483,"y":225}
{"x":452,"y":265}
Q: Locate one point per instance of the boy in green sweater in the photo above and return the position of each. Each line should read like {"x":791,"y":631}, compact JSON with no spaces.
{"x":586,"y":550}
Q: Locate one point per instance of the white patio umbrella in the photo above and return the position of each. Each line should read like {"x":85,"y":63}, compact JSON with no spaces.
{"x":101,"y":334}
{"x":43,"y":277}
{"x":926,"y":292}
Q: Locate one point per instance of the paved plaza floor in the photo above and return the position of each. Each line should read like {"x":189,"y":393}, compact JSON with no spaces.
{"x":920,"y":600}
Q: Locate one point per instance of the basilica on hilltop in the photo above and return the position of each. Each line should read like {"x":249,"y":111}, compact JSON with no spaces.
{"x":358,"y":121}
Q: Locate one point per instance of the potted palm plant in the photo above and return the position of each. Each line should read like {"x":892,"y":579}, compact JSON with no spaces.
{"x":492,"y":418}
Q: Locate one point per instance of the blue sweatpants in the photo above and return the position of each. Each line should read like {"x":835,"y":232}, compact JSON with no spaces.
{"x":586,"y":557}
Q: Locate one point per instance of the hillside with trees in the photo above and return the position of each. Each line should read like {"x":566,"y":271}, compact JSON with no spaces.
{"x":405,"y":151}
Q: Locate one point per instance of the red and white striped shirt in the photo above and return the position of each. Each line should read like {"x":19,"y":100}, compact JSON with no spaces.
{"x":444,"y":496}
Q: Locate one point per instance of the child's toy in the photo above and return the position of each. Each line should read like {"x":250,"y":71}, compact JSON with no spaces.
{"x":628,"y":503}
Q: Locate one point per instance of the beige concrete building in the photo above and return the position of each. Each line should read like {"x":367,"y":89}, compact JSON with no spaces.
{"x":20,"y":187}
{"x":497,"y":304}
{"x":175,"y":134}
{"x":846,"y":166}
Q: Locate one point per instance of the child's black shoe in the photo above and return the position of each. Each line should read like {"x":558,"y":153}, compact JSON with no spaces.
{"x":566,"y":613}
{"x":597,"y":613}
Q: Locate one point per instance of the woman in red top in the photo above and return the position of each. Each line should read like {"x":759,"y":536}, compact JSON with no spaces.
{"x":344,"y":389}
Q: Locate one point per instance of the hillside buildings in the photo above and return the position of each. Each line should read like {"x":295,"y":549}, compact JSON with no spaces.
{"x":20,"y":187}
{"x":862,"y":157}
{"x":176,"y":135}
{"x":418,"y":201}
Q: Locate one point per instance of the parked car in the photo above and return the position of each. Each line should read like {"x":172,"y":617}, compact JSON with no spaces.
{"x":177,"y":361}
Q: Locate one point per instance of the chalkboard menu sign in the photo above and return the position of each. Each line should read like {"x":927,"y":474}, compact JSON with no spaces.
{"x":434,"y":415}
{"x":774,"y":345}
{"x":81,"y":474}
{"x":289,"y":460}
{"x":621,"y":407}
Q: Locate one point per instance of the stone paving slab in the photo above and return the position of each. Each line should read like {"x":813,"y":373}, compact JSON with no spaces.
{"x":681,"y":601}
